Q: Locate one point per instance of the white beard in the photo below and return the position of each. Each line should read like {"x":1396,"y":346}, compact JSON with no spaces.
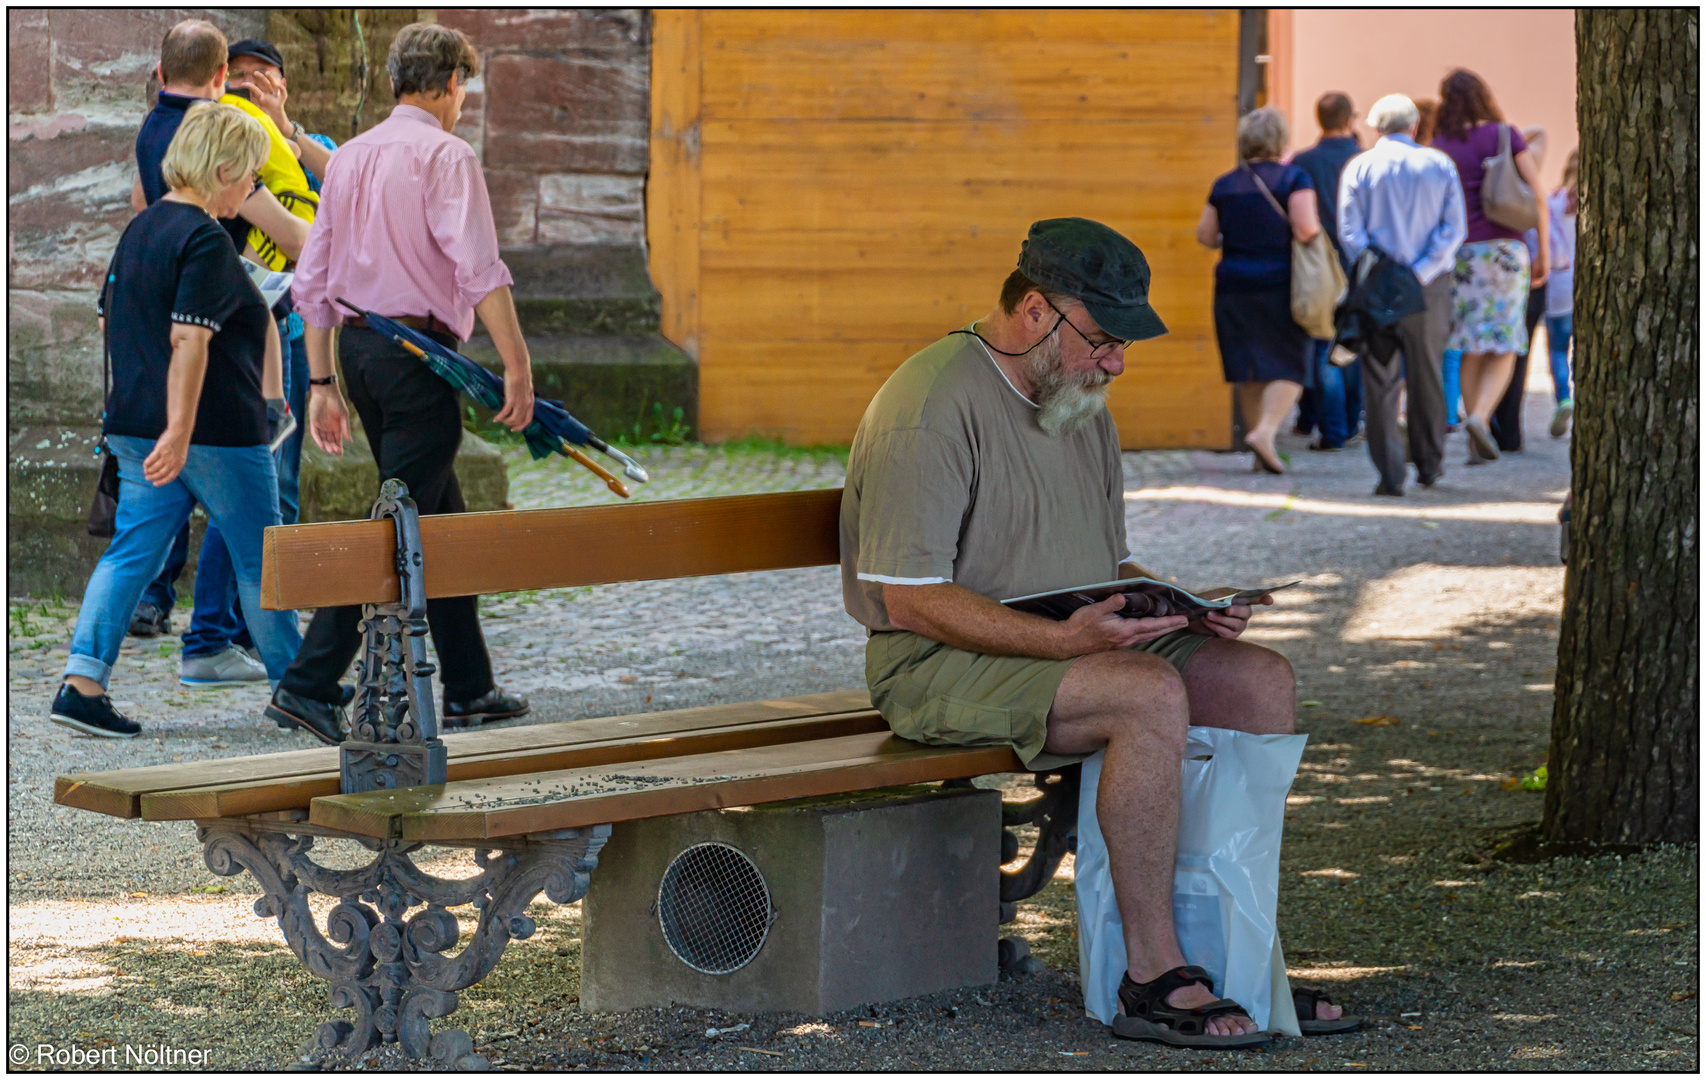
{"x":1065,"y":402}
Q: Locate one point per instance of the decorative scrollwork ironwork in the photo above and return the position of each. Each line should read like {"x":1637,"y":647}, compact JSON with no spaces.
{"x":394,"y":730}
{"x":1055,"y":813}
{"x":386,"y":965}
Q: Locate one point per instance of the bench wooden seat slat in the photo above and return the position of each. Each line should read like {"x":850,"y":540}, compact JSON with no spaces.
{"x":350,"y":562}
{"x":260,"y":796}
{"x":570,"y":798}
{"x":121,"y":792}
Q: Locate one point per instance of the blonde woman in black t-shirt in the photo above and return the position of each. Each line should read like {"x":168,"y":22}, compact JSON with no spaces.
{"x":195,"y":354}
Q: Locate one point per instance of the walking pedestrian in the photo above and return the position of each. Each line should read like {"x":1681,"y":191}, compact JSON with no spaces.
{"x":194,"y":356}
{"x":1506,"y":424}
{"x":1560,"y":293}
{"x":405,"y":228}
{"x":1336,"y":396}
{"x":1263,"y":352}
{"x":1491,"y":278}
{"x":1405,"y":202}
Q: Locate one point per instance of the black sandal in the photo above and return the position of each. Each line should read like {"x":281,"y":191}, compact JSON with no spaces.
{"x":1148,"y":1016}
{"x":1305,"y":999}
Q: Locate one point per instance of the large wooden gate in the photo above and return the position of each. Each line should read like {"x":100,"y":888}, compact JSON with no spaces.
{"x":832,"y":190}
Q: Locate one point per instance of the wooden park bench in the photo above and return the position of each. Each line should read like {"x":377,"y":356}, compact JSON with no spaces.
{"x":536,"y":803}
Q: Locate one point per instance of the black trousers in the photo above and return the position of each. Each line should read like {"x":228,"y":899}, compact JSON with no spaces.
{"x":413,"y":424}
{"x":1507,"y":418}
{"x":1417,"y":365}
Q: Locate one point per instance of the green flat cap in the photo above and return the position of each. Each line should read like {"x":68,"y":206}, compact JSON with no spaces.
{"x":1099,"y":268}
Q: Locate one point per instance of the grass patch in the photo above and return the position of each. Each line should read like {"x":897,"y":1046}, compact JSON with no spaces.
{"x":764,"y":444}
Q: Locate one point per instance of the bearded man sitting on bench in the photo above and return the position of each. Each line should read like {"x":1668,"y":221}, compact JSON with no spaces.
{"x":988,"y":466}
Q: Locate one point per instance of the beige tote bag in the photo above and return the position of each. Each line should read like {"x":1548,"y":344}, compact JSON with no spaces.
{"x":1317,"y":279}
{"x":1506,"y":198}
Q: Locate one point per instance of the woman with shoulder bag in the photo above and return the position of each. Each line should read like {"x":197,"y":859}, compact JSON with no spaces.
{"x":195,"y":354}
{"x":1491,"y":281}
{"x":1253,"y":214}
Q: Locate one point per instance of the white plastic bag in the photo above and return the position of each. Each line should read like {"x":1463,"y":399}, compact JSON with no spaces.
{"x":1225,"y":883}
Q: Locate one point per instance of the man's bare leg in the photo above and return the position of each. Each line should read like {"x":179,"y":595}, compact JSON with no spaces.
{"x":1134,"y":705}
{"x":1245,"y":687}
{"x":1242,"y":686}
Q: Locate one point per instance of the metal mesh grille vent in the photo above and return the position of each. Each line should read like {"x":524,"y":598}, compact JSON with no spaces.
{"x":714,"y":908}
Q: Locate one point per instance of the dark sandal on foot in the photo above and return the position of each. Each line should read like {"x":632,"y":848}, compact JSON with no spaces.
{"x":1146,"y":1014}
{"x":1306,"y":999}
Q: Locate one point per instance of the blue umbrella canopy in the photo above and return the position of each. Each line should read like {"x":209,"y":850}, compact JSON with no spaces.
{"x":553,"y":430}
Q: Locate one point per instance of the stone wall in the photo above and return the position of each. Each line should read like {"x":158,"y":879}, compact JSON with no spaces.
{"x":77,"y":89}
{"x":559,"y":115}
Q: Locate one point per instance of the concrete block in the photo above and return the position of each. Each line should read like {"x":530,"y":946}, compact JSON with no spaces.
{"x":584,"y":289}
{"x":877,"y":896}
{"x":51,"y":473}
{"x":342,"y":489}
{"x":609,"y":382}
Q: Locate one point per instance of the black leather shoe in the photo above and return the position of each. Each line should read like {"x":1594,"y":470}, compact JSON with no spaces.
{"x":149,"y":621}
{"x":324,"y":722}
{"x":494,"y":704}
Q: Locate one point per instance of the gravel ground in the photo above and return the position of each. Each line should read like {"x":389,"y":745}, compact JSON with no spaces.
{"x":1424,"y":636}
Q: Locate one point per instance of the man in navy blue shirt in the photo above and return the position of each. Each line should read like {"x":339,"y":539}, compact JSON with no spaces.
{"x":1334,"y":403}
{"x":192,"y":69}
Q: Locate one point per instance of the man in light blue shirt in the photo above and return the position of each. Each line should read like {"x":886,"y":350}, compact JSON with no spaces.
{"x":1405,"y":201}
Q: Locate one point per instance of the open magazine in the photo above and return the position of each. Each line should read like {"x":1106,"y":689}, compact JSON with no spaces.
{"x":1146,"y":598}
{"x":272,"y":283}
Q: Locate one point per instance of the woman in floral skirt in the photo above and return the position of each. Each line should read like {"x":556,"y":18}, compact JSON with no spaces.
{"x":1493,"y":273}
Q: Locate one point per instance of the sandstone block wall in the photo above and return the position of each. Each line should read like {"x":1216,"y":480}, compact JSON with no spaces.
{"x":77,"y":82}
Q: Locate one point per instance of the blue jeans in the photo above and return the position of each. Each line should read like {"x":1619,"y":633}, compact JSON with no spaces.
{"x":217,"y":621}
{"x":160,"y":591}
{"x":1559,"y":329}
{"x":1451,"y":368}
{"x":1338,"y":397}
{"x":235,"y":484}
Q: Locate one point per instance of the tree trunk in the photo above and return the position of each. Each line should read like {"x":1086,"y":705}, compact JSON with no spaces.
{"x":1625,"y":726}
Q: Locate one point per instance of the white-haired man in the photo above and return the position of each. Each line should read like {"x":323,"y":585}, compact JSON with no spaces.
{"x":1405,"y":200}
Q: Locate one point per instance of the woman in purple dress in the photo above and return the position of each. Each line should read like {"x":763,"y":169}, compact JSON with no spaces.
{"x":1493,"y":273}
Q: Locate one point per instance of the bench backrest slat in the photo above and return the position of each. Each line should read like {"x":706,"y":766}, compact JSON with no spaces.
{"x":350,"y":562}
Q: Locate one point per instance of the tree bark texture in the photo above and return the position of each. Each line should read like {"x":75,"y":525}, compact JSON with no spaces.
{"x":1625,"y":725}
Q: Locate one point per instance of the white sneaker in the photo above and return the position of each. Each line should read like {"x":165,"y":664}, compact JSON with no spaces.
{"x":233,"y":667}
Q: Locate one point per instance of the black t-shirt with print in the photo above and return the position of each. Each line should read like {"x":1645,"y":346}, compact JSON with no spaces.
{"x":175,"y":264}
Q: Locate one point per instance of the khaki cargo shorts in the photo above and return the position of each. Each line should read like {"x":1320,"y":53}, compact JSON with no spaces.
{"x":933,"y":693}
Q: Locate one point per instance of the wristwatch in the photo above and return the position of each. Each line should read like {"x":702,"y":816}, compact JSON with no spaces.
{"x":330,"y":380}
{"x":296,"y":132}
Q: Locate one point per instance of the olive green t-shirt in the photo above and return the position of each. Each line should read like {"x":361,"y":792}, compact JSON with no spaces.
{"x":951,"y":479}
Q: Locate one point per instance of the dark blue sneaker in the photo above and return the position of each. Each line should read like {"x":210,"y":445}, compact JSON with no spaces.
{"x":92,"y":715}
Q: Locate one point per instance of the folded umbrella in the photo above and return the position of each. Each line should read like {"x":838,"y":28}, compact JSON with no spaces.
{"x":553,"y":430}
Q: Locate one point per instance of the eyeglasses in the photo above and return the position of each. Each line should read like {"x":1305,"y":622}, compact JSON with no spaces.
{"x":1097,"y":349}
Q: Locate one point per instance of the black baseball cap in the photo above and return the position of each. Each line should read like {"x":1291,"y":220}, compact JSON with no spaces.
{"x":255,"y":47}
{"x":1099,"y":268}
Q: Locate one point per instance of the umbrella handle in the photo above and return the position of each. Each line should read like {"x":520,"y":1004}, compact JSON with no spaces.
{"x":598,"y":470}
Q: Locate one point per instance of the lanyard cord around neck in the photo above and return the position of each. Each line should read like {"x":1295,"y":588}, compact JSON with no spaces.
{"x":1004,"y":352}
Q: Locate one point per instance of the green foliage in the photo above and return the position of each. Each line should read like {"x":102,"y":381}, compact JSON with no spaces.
{"x":665,"y":431}
{"x":1535,"y":781}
